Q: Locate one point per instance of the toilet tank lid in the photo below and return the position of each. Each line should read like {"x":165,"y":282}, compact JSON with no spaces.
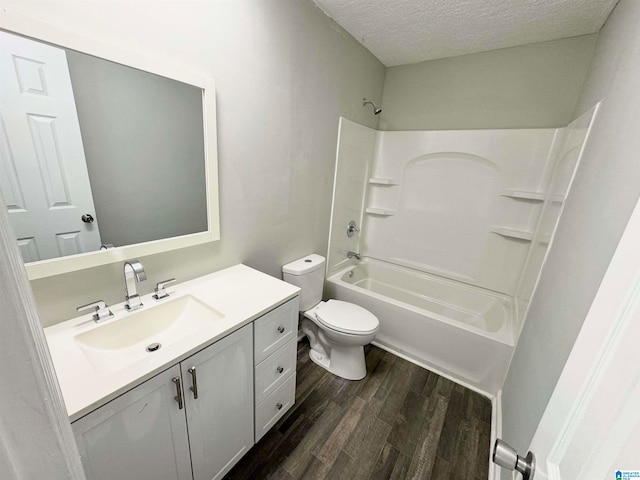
{"x":304,"y":265}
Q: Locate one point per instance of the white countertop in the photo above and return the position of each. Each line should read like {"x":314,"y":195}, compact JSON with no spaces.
{"x":240,"y":293}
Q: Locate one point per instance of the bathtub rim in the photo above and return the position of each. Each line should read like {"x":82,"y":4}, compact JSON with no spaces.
{"x":504,"y":335}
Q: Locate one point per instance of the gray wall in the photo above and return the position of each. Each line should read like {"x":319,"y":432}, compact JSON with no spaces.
{"x":533,"y":85}
{"x":284,"y":74}
{"x":602,"y":198}
{"x":143,"y":142}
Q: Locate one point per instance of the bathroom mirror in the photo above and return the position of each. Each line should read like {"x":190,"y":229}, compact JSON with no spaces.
{"x":123,"y":165}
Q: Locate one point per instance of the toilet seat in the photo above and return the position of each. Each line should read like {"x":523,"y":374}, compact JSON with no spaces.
{"x":346,"y":317}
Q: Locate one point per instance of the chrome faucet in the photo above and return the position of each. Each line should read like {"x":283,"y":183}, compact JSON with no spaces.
{"x":353,"y":255}
{"x":133,"y":271}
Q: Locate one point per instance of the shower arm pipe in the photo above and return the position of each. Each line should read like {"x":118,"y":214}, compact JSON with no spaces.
{"x":376,"y":109}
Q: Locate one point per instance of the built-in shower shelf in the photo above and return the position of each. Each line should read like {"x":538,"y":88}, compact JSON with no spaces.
{"x":383,"y":181}
{"x":382,"y":212}
{"x":513,"y":233}
{"x":534,"y":196}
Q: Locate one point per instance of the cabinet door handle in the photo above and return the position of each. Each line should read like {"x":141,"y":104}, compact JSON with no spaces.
{"x":281,"y":329}
{"x":280,"y":369}
{"x":178,"y":398}
{"x":279,"y":406}
{"x":194,"y":382}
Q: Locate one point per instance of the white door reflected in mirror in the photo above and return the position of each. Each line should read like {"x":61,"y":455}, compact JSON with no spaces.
{"x":44,"y":178}
{"x":148,"y":135}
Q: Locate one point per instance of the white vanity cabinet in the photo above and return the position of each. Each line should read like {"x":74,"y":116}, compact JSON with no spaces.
{"x":140,"y":434}
{"x":143,"y":433}
{"x":220,"y":418}
{"x":275,"y":345}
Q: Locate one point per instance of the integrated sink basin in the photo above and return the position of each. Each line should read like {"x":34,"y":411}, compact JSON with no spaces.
{"x":136,"y":336}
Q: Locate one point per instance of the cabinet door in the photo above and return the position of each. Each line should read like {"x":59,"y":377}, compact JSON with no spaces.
{"x":142,"y":434}
{"x":221,"y":417}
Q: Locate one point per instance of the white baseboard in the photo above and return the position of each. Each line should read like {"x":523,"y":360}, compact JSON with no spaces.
{"x":496,"y":432}
{"x":431,"y":368}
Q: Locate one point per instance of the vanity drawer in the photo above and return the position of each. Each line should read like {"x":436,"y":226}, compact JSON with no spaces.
{"x":273,"y":371}
{"x":275,"y":406}
{"x":274,"y":329}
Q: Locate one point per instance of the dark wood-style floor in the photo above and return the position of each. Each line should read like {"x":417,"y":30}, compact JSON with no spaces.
{"x":400,"y":422}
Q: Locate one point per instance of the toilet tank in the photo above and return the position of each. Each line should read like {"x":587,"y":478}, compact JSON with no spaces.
{"x":308,"y":274}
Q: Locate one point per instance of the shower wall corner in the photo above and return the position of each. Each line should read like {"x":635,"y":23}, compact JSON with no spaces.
{"x":355,"y":151}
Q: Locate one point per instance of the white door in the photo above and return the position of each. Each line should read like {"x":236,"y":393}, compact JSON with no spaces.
{"x":43,"y":173}
{"x":591,"y":428}
{"x":140,"y":435}
{"x":220,"y":419}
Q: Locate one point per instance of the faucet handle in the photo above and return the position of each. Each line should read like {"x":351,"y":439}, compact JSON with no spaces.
{"x":160,"y":291}
{"x":352,"y":228}
{"x":101,"y":309}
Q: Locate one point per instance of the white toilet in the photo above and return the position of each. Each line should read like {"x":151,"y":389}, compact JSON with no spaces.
{"x":337,"y":330}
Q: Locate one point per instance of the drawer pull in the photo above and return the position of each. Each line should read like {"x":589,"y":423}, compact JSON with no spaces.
{"x":281,"y":329}
{"x":178,"y":397}
{"x":279,"y":406}
{"x":280,"y":369}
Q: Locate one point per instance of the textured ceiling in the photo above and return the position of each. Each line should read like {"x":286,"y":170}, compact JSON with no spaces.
{"x":409,"y":31}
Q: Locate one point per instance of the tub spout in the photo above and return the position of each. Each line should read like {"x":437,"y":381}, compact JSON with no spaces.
{"x":353,"y":255}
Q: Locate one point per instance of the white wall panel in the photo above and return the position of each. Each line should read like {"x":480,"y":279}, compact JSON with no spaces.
{"x":465,"y":203}
{"x":353,"y":159}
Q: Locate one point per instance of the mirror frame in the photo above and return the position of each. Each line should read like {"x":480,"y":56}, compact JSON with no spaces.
{"x":58,"y":36}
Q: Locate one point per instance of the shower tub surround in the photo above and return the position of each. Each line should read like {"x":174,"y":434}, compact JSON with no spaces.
{"x":448,"y":219}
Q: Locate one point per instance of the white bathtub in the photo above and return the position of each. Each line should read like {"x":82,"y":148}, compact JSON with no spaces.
{"x":455,"y":329}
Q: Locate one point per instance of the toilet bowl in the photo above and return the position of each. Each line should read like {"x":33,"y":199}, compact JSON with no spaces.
{"x":337,"y":330}
{"x":336,"y":340}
